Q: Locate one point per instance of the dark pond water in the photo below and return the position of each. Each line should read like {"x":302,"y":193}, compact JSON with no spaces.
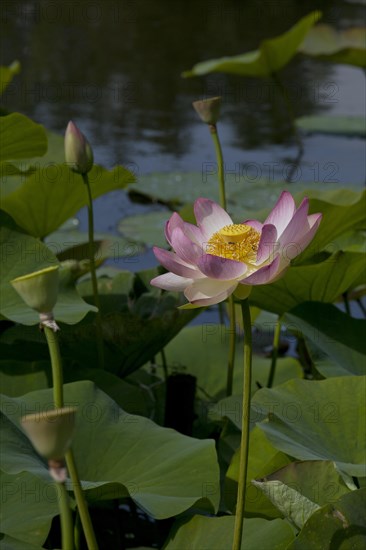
{"x":115,"y":68}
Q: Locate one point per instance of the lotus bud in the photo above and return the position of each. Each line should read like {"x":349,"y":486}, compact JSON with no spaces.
{"x":208,"y":109}
{"x":78,"y":152}
{"x":50,"y":433}
{"x":39,"y":290}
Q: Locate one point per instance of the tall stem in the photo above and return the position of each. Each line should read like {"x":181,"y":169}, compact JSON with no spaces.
{"x":99,"y":332}
{"x":232,"y":342}
{"x":66,"y":518}
{"x":57,"y":377}
{"x":54,"y":349}
{"x":220,"y":164}
{"x":80,"y":501}
{"x":164,"y":364}
{"x":276,"y":343}
{"x":222,"y":195}
{"x":244,"y":444}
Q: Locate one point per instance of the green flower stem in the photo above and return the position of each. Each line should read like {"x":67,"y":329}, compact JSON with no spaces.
{"x":244,"y":444}
{"x":57,"y":378}
{"x":164,"y":364}
{"x":77,"y":531}
{"x":81,"y":503}
{"x":232,"y":342}
{"x":66,"y":518}
{"x":54,"y":349}
{"x":276,"y":343}
{"x":99,"y":332}
{"x":220,"y":164}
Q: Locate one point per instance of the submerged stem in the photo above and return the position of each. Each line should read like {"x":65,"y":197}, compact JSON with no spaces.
{"x":244,"y":444}
{"x":99,"y":332}
{"x":276,"y":343}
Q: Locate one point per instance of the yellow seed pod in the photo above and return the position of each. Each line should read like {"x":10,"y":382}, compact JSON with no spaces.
{"x":39,"y":289}
{"x":50,"y":432}
{"x":242,"y":291}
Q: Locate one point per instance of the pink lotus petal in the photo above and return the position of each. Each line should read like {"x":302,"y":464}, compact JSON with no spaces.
{"x":280,"y":273}
{"x":210,"y":217}
{"x":176,"y":265}
{"x":194,"y":233}
{"x":314,"y":222}
{"x":255,"y":224}
{"x":208,"y":291}
{"x":297,"y":226}
{"x":174,"y":221}
{"x":264,"y":275}
{"x":187,"y":250}
{"x":282,"y":212}
{"x":268,"y":244}
{"x":214,"y":300}
{"x":170,"y":281}
{"x":221,"y":268}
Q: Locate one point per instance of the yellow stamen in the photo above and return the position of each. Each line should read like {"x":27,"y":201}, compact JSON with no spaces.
{"x":235,"y":242}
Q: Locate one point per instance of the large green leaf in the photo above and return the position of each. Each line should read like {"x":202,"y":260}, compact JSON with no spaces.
{"x":293,"y":505}
{"x":205,"y":533}
{"x":74,"y":244}
{"x":317,"y":420}
{"x":300,"y":488}
{"x":264,"y":459}
{"x":342,"y":209}
{"x":21,"y":254}
{"x":271,"y":56}
{"x":18,"y":377}
{"x":119,"y":454}
{"x":13,"y":176}
{"x":137,"y":323}
{"x":341,"y":124}
{"x":203,"y":352}
{"x":147,"y":229}
{"x":53,"y":194}
{"x":336,"y":340}
{"x":21,"y":138}
{"x":319,"y":282}
{"x":338,"y":46}
{"x":340,"y":525}
{"x":29,"y":503}
{"x":9,"y":543}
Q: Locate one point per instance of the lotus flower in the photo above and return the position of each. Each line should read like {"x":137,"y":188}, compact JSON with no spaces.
{"x":217,"y":257}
